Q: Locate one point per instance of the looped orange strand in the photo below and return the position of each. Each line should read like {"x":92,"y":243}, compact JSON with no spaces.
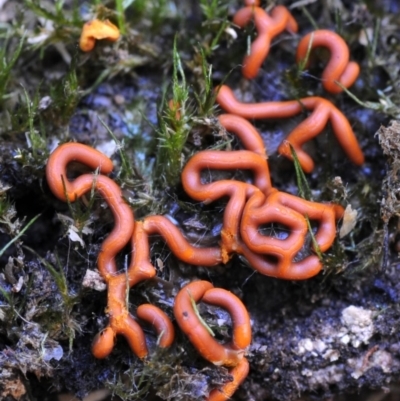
{"x":189,"y":322}
{"x":280,"y":208}
{"x":121,"y":322}
{"x":289,"y":211}
{"x":245,"y":131}
{"x":56,"y":171}
{"x":140,"y":267}
{"x":97,"y":30}
{"x":62,"y":188}
{"x":241,"y":337}
{"x":161,"y":322}
{"x":339,"y":68}
{"x":178,"y":245}
{"x":267,"y":28}
{"x":253,"y":159}
{"x":220,"y":160}
{"x":322,"y":112}
{"x":238,"y":192}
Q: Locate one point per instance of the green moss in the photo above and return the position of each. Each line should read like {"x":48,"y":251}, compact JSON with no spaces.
{"x":175,"y":125}
{"x":8,"y":59}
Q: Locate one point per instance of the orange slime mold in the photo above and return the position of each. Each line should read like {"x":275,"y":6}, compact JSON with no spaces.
{"x":245,"y":131}
{"x":267,"y":28}
{"x":62,"y":188}
{"x":289,"y":211}
{"x":250,"y":205}
{"x":178,"y":245}
{"x":238,"y":192}
{"x":121,"y":322}
{"x":159,"y":319}
{"x":241,"y":338}
{"x":187,"y":319}
{"x":339,"y":68}
{"x":322,"y":112}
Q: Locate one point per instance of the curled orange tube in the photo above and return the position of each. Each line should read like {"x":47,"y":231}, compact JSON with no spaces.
{"x":267,"y":28}
{"x":289,"y":211}
{"x":178,"y":245}
{"x":237,"y":191}
{"x":254,"y":158}
{"x":56,"y":168}
{"x":322,"y":112}
{"x":190,"y":324}
{"x":245,"y":131}
{"x":241,"y":336}
{"x":56,"y":171}
{"x":97,"y":30}
{"x":284,"y":267}
{"x":220,"y":160}
{"x":239,"y":374}
{"x":140,"y":267}
{"x":339,"y":68}
{"x":161,"y":322}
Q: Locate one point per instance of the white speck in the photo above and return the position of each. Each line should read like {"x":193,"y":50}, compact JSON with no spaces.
{"x":332,"y":355}
{"x":358,"y":324}
{"x":231,"y":32}
{"x":93,"y":280}
{"x":53,"y":353}
{"x":305,"y":345}
{"x":319,"y":346}
{"x":345,"y":339}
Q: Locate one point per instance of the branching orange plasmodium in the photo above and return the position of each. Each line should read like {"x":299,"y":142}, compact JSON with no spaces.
{"x":249,"y":206}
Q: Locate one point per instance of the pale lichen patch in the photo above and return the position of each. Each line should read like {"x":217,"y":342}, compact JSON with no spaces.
{"x":94,"y":281}
{"x":358,"y":326}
